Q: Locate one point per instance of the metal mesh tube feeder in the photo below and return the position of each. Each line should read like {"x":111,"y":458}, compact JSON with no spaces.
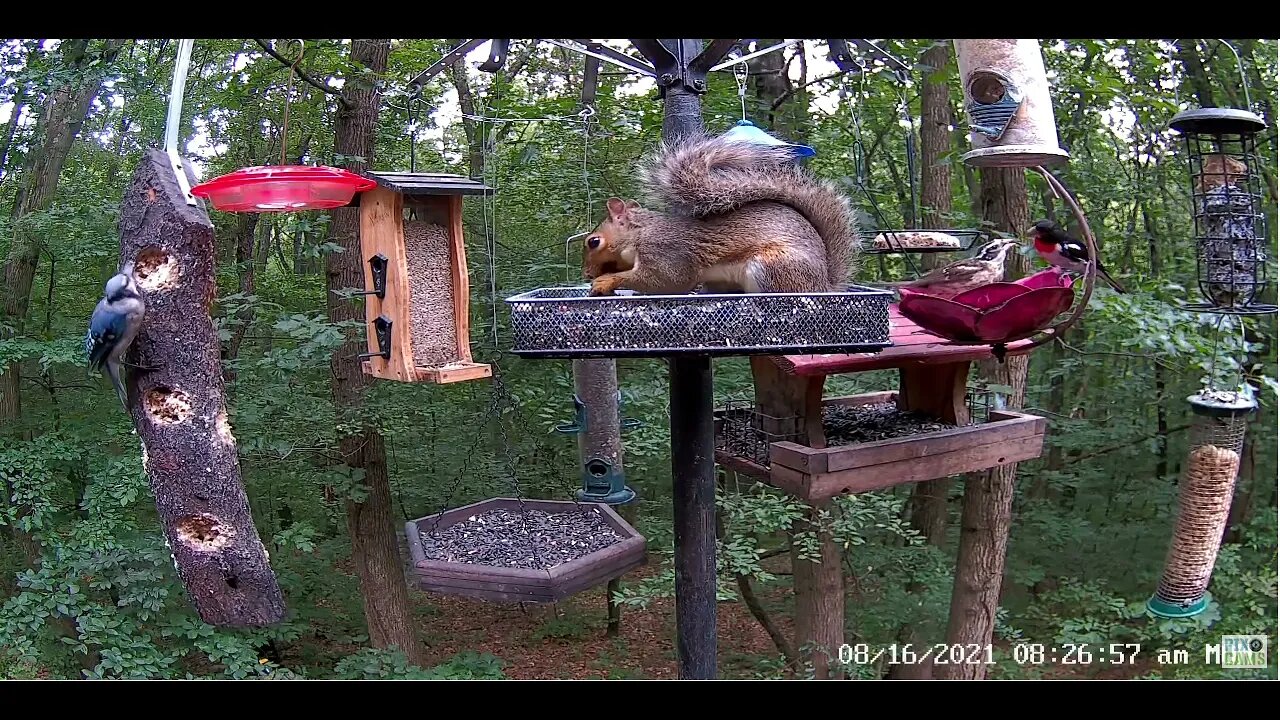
{"x":1204,"y":501}
{"x":1226,"y":207}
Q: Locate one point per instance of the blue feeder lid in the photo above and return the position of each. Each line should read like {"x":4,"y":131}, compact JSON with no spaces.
{"x":745,"y":131}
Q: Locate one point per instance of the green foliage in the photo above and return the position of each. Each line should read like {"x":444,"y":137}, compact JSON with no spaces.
{"x":376,"y":664}
{"x":98,"y":596}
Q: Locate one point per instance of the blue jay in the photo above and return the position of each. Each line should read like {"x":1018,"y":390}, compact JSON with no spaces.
{"x":113,"y":327}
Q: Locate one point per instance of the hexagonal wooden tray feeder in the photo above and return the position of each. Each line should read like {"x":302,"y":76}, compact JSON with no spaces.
{"x":504,"y":584}
{"x":417,"y":293}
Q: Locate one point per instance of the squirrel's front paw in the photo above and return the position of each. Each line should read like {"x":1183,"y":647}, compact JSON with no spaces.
{"x":605,"y":285}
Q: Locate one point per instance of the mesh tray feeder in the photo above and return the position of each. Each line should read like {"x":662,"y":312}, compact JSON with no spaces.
{"x":1204,"y":500}
{"x":565,"y":322}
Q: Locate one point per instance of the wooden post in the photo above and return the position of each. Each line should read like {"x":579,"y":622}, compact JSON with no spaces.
{"x":188,"y":450}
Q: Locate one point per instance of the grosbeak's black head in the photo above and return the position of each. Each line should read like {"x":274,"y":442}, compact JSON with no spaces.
{"x":1045,"y":227}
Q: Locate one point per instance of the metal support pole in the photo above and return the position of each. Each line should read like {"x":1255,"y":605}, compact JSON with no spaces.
{"x":693,"y":474}
{"x":693,"y":470}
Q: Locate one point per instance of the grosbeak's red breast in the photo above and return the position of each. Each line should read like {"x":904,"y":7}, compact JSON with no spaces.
{"x":1058,"y":248}
{"x":984,"y":268}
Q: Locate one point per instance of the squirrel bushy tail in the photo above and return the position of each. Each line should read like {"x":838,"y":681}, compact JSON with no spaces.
{"x":704,"y":176}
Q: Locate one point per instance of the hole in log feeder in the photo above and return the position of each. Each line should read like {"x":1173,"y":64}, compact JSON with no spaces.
{"x":155,"y":269}
{"x":223,"y":427}
{"x":168,"y":406}
{"x":414,"y":220}
{"x":598,"y":468}
{"x":204,"y":532}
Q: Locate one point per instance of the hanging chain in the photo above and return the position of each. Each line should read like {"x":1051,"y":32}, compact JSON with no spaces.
{"x":288,"y":93}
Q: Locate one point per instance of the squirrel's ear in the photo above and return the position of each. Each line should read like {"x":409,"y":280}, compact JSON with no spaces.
{"x":617,"y":209}
{"x":633,"y":205}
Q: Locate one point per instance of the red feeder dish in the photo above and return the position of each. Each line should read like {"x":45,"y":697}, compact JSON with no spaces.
{"x":283,"y":188}
{"x":996,"y":313}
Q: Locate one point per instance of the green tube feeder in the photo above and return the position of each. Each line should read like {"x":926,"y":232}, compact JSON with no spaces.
{"x":1204,"y":501}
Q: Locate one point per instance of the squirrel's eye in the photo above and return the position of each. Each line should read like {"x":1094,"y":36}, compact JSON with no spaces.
{"x":594,"y":242}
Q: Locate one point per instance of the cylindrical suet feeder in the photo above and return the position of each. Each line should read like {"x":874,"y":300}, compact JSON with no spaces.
{"x":598,"y":423}
{"x":1226,"y":206}
{"x":1208,"y":485}
{"x":1006,"y":98}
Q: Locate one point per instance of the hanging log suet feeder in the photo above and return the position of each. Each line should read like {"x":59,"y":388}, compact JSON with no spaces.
{"x":1006,"y":98}
{"x":417,"y":291}
{"x":1226,"y":207}
{"x":1204,"y":502}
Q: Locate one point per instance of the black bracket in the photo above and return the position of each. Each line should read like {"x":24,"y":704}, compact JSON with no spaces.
{"x":450,"y":58}
{"x":497,"y":56}
{"x":673,"y":66}
{"x":378,"y":267}
{"x":842,"y":56}
{"x":382,"y":326}
{"x":591,"y":77}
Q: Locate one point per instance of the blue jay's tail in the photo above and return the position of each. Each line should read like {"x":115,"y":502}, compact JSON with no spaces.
{"x":112,"y":371}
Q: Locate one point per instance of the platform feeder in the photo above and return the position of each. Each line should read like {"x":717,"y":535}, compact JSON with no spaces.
{"x":1226,"y":207}
{"x":417,"y":290}
{"x":1204,"y":502}
{"x":1007,"y":101}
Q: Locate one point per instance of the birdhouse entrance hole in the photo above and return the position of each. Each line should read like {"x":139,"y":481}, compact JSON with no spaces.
{"x":416,"y":278}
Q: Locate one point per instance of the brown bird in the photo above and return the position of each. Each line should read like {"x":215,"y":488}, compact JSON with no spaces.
{"x":985,"y":267}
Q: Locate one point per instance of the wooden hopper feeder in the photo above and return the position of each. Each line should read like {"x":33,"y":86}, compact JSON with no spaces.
{"x":417,"y":295}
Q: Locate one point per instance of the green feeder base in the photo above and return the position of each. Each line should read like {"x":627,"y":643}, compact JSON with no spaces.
{"x":617,"y":497}
{"x":603,"y":483}
{"x":1156,"y":606}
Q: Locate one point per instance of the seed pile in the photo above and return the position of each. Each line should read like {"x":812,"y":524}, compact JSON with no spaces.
{"x":852,"y":424}
{"x":431,"y":294}
{"x":532,"y":539}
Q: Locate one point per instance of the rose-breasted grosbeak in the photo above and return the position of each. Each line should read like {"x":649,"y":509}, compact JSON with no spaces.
{"x":985,"y":267}
{"x":1060,"y":249}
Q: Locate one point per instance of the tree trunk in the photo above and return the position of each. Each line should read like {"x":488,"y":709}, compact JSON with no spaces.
{"x":59,"y":123}
{"x":246,"y":229}
{"x":1189,"y":56}
{"x":819,"y":592}
{"x":928,"y":503}
{"x":374,"y":543}
{"x":988,"y":497}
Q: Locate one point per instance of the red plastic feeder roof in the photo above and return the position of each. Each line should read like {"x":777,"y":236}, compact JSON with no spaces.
{"x":283,"y":188}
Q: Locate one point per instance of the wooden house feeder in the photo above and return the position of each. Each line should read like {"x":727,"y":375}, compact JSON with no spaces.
{"x":792,"y":437}
{"x":467,"y":551}
{"x":417,"y":295}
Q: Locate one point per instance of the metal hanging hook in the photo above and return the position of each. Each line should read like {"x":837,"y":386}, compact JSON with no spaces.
{"x":1244,"y":82}
{"x":174,"y":117}
{"x":741,"y":79}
